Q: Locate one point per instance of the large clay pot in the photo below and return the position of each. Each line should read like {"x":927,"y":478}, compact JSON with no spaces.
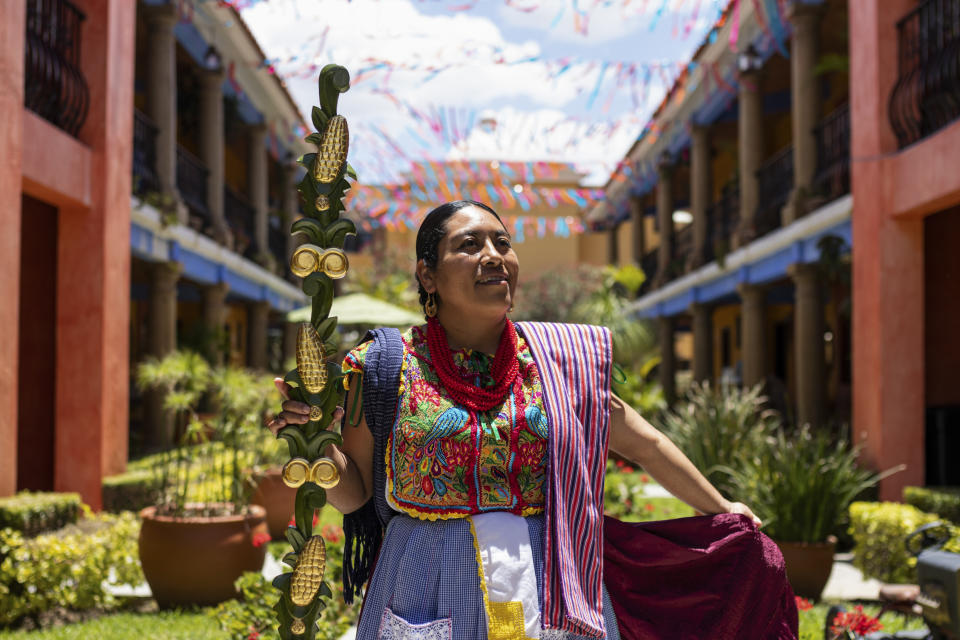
{"x":808,"y":565}
{"x":277,"y":498}
{"x":195,"y":560}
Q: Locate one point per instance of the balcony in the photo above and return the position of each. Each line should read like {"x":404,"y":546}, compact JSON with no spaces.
{"x":926,"y":96}
{"x":682,"y":248}
{"x":648,"y":263}
{"x":833,"y":155}
{"x":54,"y":87}
{"x":776,"y":181}
{"x":144,"y":154}
{"x":192,"y":185}
{"x":723,"y":217}
{"x":240,"y":215}
{"x":277,"y":240}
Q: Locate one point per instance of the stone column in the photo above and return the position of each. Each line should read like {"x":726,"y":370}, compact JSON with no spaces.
{"x":750,"y":152}
{"x":754,"y":310}
{"x":258,"y":320}
{"x":161,"y":54}
{"x":161,"y":341}
{"x":639,"y":234}
{"x":257,"y":176}
{"x":668,"y":360}
{"x":699,"y":193}
{"x":291,"y":208}
{"x":808,"y":327}
{"x":702,"y":342}
{"x":665,"y":220}
{"x":290,"y":330}
{"x":805,"y":105}
{"x":613,"y":246}
{"x":212,"y":150}
{"x":215,"y":318}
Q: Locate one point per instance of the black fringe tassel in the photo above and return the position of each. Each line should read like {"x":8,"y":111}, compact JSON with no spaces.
{"x":362,"y":537}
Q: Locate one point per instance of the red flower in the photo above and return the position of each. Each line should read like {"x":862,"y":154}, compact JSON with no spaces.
{"x":644,"y":478}
{"x":619,"y":464}
{"x":254,"y":634}
{"x":332,"y":533}
{"x":627,"y":469}
{"x":316,"y":518}
{"x":803,"y":604}
{"x":648,"y":506}
{"x":260,"y":538}
{"x":856,"y":622}
{"x":292,"y":523}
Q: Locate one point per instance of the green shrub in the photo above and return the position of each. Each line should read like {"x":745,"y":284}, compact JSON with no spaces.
{"x":879,"y":530}
{"x":131,"y":491}
{"x":253,"y":612}
{"x":34,"y":513}
{"x":67,"y":568}
{"x":720,"y":427}
{"x":943,"y":501}
{"x":624,"y":497}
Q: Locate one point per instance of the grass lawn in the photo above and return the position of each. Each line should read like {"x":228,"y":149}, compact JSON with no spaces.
{"x":166,"y":625}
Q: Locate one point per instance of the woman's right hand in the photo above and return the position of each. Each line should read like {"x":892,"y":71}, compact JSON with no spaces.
{"x":292,"y":411}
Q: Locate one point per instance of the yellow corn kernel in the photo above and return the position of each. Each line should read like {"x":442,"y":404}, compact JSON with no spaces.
{"x":308,"y":575}
{"x":311,"y":362}
{"x":332,"y":153}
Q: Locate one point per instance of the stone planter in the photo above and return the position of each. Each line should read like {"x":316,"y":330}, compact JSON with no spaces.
{"x":277,"y":498}
{"x":195,"y":560}
{"x":808,"y":565}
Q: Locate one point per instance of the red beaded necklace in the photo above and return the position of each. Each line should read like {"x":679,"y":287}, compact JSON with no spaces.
{"x":504,"y":370}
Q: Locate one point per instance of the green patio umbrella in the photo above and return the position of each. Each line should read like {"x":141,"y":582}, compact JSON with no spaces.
{"x":359,"y":308}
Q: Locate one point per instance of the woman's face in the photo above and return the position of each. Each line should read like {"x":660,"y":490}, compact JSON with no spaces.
{"x":477,"y":267}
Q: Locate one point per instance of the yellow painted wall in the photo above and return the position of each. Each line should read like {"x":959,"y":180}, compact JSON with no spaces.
{"x":683,"y":346}
{"x":725,"y":317}
{"x":592,"y":248}
{"x":237,"y":334}
{"x":625,"y":243}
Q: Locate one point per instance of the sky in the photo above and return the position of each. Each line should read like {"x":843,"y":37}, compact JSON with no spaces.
{"x":522,"y":80}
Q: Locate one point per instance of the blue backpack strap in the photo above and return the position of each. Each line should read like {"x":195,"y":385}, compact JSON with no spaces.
{"x":363,"y":529}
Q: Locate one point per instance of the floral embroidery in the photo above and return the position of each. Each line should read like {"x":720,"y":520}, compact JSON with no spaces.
{"x":393,"y":627}
{"x":445,"y":461}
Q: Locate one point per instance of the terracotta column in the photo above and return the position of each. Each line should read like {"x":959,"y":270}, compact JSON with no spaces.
{"x":750,"y":153}
{"x":668,"y":360}
{"x":702,"y":342}
{"x":290,"y":330}
{"x":161,"y":341}
{"x":639,"y":235}
{"x":161,"y":54}
{"x":211,"y":149}
{"x":291,"y":209}
{"x":215,"y":317}
{"x":257,"y":176}
{"x":699,"y":192}
{"x":12,"y":37}
{"x":665,"y":220}
{"x":754,"y":309}
{"x":808,"y":327}
{"x":258,"y":323}
{"x":805,"y":104}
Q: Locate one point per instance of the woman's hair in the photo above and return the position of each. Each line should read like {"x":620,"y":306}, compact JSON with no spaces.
{"x":432,"y":230}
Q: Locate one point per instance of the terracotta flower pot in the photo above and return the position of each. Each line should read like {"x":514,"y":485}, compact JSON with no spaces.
{"x":808,"y":565}
{"x":277,"y":498}
{"x":196,"y":559}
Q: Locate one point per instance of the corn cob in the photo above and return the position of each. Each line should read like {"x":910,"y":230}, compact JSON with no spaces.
{"x":308,"y":575}
{"x":311,"y":359}
{"x":333,"y":150}
{"x":306,"y":259}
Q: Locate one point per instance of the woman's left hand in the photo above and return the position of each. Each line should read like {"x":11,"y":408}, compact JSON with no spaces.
{"x":742,"y":509}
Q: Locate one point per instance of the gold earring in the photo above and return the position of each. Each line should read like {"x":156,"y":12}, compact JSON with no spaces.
{"x":430,"y":306}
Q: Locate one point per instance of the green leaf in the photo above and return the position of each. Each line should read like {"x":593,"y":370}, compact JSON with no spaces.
{"x":322,"y":440}
{"x":294,"y":537}
{"x":326,"y":328}
{"x":290,"y":559}
{"x":314,"y":138}
{"x":351,"y":172}
{"x":295,"y":441}
{"x":312,"y":229}
{"x":319,"y":118}
{"x":282,"y":581}
{"x":338,"y":231}
{"x":307,"y":161}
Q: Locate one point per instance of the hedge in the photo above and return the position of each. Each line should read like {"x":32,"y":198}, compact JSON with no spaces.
{"x":34,"y":513}
{"x":879,"y":530}
{"x":131,"y":491}
{"x":943,"y":501}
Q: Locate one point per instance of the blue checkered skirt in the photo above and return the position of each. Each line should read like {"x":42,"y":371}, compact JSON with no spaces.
{"x":426,"y":584}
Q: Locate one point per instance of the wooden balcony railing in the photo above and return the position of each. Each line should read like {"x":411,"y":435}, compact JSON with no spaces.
{"x":192,"y":183}
{"x":776,"y":181}
{"x":239,"y":214}
{"x":54,"y":87}
{"x":723,"y":218}
{"x":648,"y":263}
{"x":144,"y":154}
{"x":682,"y":247}
{"x":277,"y":240}
{"x":833,"y":155}
{"x":926,"y":96}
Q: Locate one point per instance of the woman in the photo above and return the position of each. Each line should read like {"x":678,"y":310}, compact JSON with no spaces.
{"x":487,"y":467}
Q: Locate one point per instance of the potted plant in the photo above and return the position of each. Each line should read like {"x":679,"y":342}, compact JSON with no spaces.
{"x":204,"y":533}
{"x":270,"y":491}
{"x":801,"y":486}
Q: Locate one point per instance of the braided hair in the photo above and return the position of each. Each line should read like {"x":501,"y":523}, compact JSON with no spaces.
{"x":432,"y":230}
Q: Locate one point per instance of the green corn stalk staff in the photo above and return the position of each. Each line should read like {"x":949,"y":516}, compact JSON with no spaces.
{"x":315,"y":381}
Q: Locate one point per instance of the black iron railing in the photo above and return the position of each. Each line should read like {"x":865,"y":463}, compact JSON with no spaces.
{"x":926,"y":96}
{"x":54,"y":87}
{"x":683,"y":245}
{"x":192,"y":183}
{"x":144,"y":154}
{"x":833,"y":154}
{"x":723,"y":218}
{"x":648,"y":263}
{"x":240,"y":218}
{"x":776,"y":181}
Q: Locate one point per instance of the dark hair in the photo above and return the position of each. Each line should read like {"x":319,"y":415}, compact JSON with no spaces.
{"x":432,"y":230}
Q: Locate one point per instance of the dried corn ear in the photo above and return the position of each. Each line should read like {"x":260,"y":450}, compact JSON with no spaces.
{"x":308,"y":576}
{"x":332,"y":153}
{"x":311,"y":359}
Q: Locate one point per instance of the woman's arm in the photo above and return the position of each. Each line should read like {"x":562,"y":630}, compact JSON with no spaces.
{"x":354,"y":459}
{"x":636,"y":439}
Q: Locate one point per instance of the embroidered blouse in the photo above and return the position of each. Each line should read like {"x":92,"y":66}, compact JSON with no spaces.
{"x":444,"y":461}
